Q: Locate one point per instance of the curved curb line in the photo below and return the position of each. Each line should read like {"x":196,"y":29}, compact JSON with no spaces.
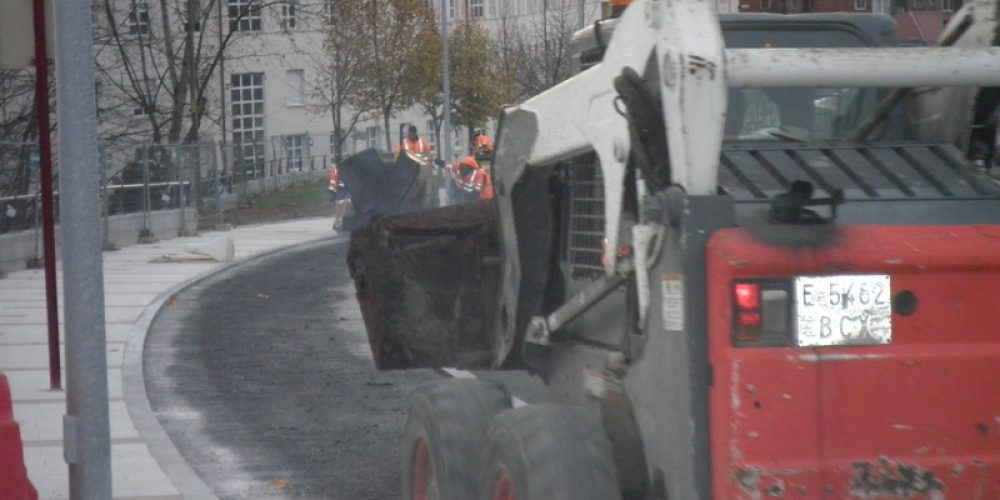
{"x":159,"y":444}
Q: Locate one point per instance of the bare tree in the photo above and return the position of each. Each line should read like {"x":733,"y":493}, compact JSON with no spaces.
{"x":160,"y":70}
{"x":17,"y":106}
{"x":18,"y":133}
{"x":534,"y":50}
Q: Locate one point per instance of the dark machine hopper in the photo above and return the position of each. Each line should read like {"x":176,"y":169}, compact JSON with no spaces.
{"x":379,"y":187}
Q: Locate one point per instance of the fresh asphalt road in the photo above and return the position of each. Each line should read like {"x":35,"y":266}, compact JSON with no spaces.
{"x":262,"y":377}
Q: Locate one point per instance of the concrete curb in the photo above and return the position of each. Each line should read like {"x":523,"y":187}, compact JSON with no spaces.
{"x":166,"y":455}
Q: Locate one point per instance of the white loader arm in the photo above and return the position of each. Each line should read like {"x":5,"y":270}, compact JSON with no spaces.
{"x":695,"y":71}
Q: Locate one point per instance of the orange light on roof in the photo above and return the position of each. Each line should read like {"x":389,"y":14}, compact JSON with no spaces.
{"x":618,"y":3}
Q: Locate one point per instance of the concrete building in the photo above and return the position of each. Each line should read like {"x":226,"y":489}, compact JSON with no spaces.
{"x":252,"y":93}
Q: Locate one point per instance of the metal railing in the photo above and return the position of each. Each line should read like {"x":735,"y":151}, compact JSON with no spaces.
{"x":145,"y":178}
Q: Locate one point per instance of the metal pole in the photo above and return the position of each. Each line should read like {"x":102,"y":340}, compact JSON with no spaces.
{"x":446,"y":80}
{"x":582,"y":16}
{"x":87,"y":434}
{"x":146,"y":236}
{"x":222,"y":86}
{"x":48,"y":200}
{"x":38,"y":228}
{"x":105,"y":208}
{"x":181,"y":199}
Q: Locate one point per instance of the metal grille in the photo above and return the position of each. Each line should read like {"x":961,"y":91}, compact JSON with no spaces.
{"x":585,"y":234}
{"x":754,"y":172}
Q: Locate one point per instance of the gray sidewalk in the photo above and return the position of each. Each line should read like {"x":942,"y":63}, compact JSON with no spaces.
{"x":135,"y":287}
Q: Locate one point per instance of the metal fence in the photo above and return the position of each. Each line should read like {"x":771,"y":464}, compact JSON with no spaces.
{"x":20,"y":194}
{"x":143,"y":178}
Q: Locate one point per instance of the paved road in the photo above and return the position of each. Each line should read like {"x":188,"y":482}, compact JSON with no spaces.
{"x":262,"y":377}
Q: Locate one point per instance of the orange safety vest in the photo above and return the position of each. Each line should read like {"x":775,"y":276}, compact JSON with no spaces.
{"x":476,"y":181}
{"x":335,"y":182}
{"x":419,"y":146}
{"x":485,"y":184}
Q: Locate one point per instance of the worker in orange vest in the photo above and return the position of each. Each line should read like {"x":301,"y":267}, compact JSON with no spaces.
{"x":414,"y":144}
{"x":341,"y":198}
{"x":419,"y":150}
{"x":473,"y":179}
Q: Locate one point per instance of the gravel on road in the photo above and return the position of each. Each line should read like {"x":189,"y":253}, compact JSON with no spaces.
{"x":262,"y":377}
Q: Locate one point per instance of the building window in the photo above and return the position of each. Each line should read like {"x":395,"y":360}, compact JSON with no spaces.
{"x":296,"y":87}
{"x":372,"y":139}
{"x":247,"y":100}
{"x":192,"y":15}
{"x":477,"y":8}
{"x":244,"y":15}
{"x":288,"y":8}
{"x":293,"y":152}
{"x":451,"y":9}
{"x":860,"y":4}
{"x":138,"y":18}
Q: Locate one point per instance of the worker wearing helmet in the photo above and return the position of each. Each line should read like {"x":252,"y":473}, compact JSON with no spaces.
{"x":414,"y":144}
{"x":472,"y":179}
{"x":419,"y":150}
{"x":482,"y":144}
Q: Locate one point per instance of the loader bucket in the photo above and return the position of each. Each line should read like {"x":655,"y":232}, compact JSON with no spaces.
{"x":427,"y":286}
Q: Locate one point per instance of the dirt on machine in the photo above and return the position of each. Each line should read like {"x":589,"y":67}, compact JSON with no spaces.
{"x":751,"y":256}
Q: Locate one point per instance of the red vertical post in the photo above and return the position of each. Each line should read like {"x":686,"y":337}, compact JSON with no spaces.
{"x":48,"y":210}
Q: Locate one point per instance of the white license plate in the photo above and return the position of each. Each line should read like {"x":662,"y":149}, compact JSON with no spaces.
{"x":843,"y":310}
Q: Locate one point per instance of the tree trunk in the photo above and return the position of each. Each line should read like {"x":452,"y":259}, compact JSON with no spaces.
{"x":192,"y":81}
{"x":386,"y":115}
{"x":437,"y":138}
{"x":338,"y":139}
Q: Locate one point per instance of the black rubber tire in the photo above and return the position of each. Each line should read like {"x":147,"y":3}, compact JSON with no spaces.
{"x":549,"y":452}
{"x":452,"y":417}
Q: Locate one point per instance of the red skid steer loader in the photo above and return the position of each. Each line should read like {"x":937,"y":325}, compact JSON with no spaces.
{"x":749,"y":256}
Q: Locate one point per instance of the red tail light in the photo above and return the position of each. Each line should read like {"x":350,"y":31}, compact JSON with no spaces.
{"x":747,"y":313}
{"x":760,"y":313}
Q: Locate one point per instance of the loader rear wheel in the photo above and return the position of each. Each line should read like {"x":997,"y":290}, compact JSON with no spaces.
{"x":446,"y":429}
{"x":548,"y":452}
